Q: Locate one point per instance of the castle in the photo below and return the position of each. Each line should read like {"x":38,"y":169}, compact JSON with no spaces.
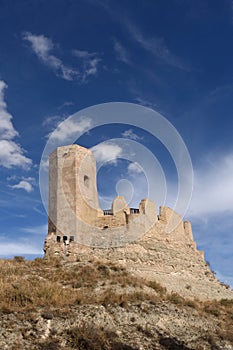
{"x":154,"y":246}
{"x":75,"y":217}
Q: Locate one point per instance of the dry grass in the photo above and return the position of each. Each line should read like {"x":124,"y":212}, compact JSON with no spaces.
{"x":86,"y":337}
{"x":27,"y":285}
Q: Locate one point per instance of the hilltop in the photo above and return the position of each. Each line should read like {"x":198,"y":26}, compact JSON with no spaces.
{"x":155,"y":246}
{"x":95,"y":304}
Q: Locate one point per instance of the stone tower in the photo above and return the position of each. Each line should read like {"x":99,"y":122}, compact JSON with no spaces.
{"x":73,"y":195}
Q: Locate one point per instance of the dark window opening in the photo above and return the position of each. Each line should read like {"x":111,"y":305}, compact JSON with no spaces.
{"x":126,"y":218}
{"x":134,"y":211}
{"x":58,"y":239}
{"x":65,"y":238}
{"x":86,"y":180}
{"x":108,"y":212}
{"x":71,"y":238}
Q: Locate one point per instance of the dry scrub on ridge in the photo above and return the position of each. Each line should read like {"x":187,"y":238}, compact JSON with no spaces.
{"x":99,"y":305}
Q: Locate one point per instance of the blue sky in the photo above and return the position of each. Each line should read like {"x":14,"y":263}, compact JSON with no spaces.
{"x":59,"y":57}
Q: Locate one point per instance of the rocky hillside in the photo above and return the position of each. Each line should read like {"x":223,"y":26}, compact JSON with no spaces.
{"x":171,"y":259}
{"x":98,"y":305}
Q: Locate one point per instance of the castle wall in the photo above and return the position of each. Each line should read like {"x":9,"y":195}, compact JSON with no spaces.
{"x":188,"y":229}
{"x":74,"y":212}
{"x":172,"y":220}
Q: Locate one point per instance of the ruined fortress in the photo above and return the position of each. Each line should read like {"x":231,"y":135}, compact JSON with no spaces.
{"x":156,"y":246}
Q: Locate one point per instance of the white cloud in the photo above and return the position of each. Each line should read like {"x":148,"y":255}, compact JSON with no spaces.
{"x":122,"y":53}
{"x":213,"y":187}
{"x":144,"y":102}
{"x":129,"y":134}
{"x":16,"y":177}
{"x":89,"y":61}
{"x":11,"y":154}
{"x":134,"y":168}
{"x":107,"y":152}
{"x":53,"y":120}
{"x":43,"y":47}
{"x":24,"y":185}
{"x":29,"y":178}
{"x":7,"y":130}
{"x":70,"y":128}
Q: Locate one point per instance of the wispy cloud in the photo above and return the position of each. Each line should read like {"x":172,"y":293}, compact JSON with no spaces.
{"x":52,"y":120}
{"x":70,"y":128}
{"x":65,"y":105}
{"x":8,"y":248}
{"x":11,"y":153}
{"x":107,"y":152}
{"x":144,"y":102}
{"x":213,"y":187}
{"x":129,"y":134}
{"x":43,"y":48}
{"x":89,"y":61}
{"x":38,"y":230}
{"x":134,"y":168}
{"x":121,"y":52}
{"x":213,"y":234}
{"x":156,"y":46}
{"x":23,"y":185}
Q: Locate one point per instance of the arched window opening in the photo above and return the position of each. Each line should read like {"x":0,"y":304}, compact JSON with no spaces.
{"x":86,"y":180}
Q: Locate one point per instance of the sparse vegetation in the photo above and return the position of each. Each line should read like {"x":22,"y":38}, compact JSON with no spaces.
{"x":53,"y":289}
{"x":29,"y":284}
{"x":175,"y":298}
{"x":86,"y":337}
{"x":19,"y":258}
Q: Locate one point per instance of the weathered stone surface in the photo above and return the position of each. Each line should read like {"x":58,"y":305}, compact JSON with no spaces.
{"x":158,"y":248}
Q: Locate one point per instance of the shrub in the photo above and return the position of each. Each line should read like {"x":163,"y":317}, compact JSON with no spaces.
{"x":226,"y":302}
{"x":157,"y":287}
{"x":175,"y":298}
{"x":85,"y":337}
{"x":212,"y":309}
{"x":191,"y":303}
{"x":19,"y":259}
